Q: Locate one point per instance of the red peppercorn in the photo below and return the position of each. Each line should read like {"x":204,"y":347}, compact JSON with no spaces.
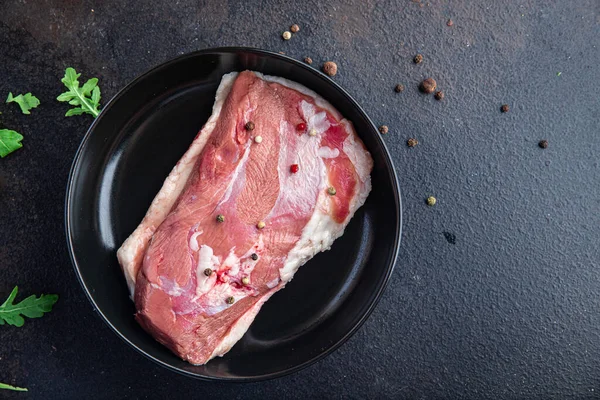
{"x":294,"y":168}
{"x":301,"y":126}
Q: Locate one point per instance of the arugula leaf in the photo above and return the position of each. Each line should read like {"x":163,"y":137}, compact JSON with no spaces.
{"x":9,"y":387}
{"x":26,"y":101}
{"x":9,"y":142}
{"x":32,"y":307}
{"x":86,"y":98}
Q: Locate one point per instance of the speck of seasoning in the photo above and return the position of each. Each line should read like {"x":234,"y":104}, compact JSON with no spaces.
{"x":245,"y":280}
{"x":230,"y":300}
{"x":431,"y":201}
{"x":418,"y":59}
{"x":287,"y":35}
{"x":301,"y":126}
{"x":543,"y":144}
{"x":450,"y":22}
{"x":505,"y":108}
{"x":428,"y":85}
{"x":254,"y":256}
{"x":294,"y":168}
{"x":261,"y":224}
{"x":399,"y":88}
{"x":450,"y":237}
{"x":331,"y":190}
{"x":220,"y":218}
{"x":258,"y":139}
{"x":412,"y":142}
{"x":295,"y":28}
{"x":559,"y":74}
{"x":308,"y":60}
{"x":208,"y":272}
{"x":312,"y":132}
{"x":439,"y":95}
{"x":383,"y":129}
{"x":330,"y":68}
{"x":249,"y":126}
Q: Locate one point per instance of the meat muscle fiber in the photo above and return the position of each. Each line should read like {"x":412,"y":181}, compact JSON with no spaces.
{"x":198,"y":283}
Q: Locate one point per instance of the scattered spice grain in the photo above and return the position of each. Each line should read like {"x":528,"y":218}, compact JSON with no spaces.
{"x":428,"y":85}
{"x":330,"y":68}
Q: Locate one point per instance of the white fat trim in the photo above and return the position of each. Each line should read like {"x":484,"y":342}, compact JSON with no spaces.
{"x":194,"y":241}
{"x":328,"y":152}
{"x":206,"y":259}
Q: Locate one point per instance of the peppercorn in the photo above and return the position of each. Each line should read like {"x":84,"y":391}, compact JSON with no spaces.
{"x":294,"y":168}
{"x":258,"y":139}
{"x":383,"y":129}
{"x":439,"y":95}
{"x":308,"y":60}
{"x":245,"y":280}
{"x":286,"y":35}
{"x":301,"y":126}
{"x":254,"y":256}
{"x":261,"y":224}
{"x":450,"y":22}
{"x":230,"y":300}
{"x":249,"y":126}
{"x":431,"y":201}
{"x":412,"y":142}
{"x":505,"y":108}
{"x":330,"y":68}
{"x":208,"y":272}
{"x":331,"y":190}
{"x":399,"y":88}
{"x":543,"y":144}
{"x":418,"y":59}
{"x":220,"y":218}
{"x":294,"y":28}
{"x":428,"y":85}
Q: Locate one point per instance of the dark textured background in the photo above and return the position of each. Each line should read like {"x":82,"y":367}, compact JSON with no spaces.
{"x":511,"y":309}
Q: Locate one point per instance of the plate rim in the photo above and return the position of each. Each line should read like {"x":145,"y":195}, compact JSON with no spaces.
{"x":76,"y":167}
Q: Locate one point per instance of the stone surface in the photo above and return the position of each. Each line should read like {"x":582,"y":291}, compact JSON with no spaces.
{"x":508,"y":308}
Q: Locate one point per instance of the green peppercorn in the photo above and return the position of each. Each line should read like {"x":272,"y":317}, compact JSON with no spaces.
{"x":431,"y":201}
{"x":208,"y":272}
{"x":220,"y":218}
{"x":245,"y":280}
{"x":230,"y":300}
{"x":331,"y":190}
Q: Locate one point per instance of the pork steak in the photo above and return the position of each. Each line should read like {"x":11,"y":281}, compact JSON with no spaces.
{"x":200,"y":265}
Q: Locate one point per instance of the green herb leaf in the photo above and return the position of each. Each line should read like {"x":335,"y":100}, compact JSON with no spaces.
{"x":9,"y":387}
{"x":9,"y":142}
{"x":26,"y":101}
{"x":31,"y":307}
{"x":86,"y":99}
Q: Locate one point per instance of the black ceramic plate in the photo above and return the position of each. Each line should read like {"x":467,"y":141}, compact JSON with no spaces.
{"x":121,"y":164}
